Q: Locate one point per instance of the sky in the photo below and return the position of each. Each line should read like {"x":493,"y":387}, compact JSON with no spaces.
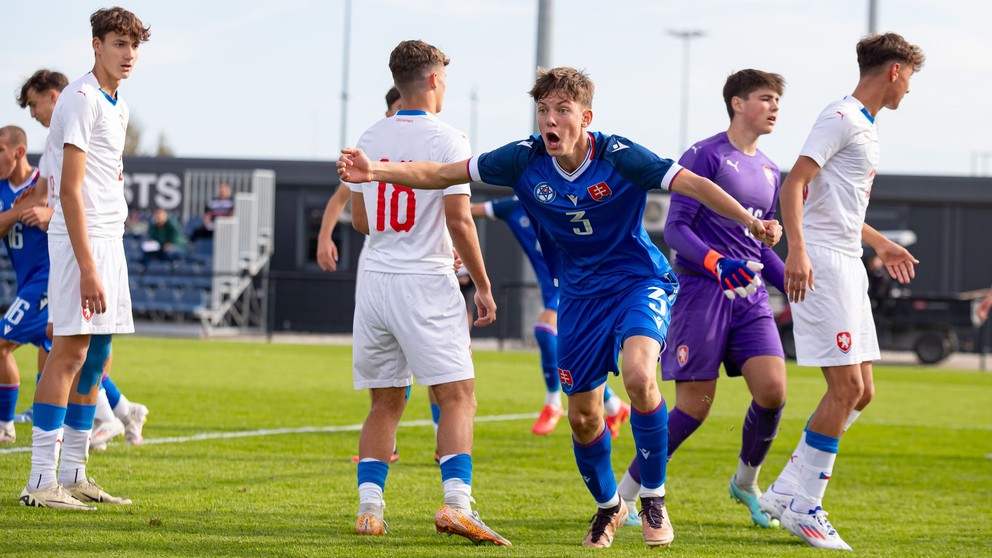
{"x":264,"y":80}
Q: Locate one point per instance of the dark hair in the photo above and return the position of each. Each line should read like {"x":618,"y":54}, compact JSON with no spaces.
{"x":743,"y":83}
{"x":392,"y":96}
{"x":120,"y":21}
{"x":42,"y":81}
{"x":413,"y":61}
{"x":875,"y":51}
{"x":572,"y":84}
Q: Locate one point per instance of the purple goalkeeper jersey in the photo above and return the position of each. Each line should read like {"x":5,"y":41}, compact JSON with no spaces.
{"x":692,"y":229}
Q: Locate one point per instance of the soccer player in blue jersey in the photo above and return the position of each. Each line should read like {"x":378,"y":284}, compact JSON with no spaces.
{"x":27,"y":247}
{"x":740,"y":333}
{"x":586,"y":193}
{"x":510,"y":212}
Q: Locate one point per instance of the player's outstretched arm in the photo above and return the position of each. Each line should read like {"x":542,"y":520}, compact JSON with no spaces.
{"x":464,"y":236}
{"x":798,"y":269}
{"x":897,"y":260}
{"x":712,"y":196}
{"x":355,"y":167}
{"x":327,"y":251}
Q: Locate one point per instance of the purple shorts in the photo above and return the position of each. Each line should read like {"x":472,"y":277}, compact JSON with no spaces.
{"x":708,"y":329}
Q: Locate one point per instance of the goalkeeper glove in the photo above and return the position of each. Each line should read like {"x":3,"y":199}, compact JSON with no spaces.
{"x":737,"y":277}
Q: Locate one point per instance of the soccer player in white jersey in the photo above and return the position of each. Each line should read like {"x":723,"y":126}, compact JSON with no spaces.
{"x":585,"y":192}
{"x":823,"y":205}
{"x":89,"y":297}
{"x":409,"y":313}
{"x":115,"y":414}
{"x":327,"y":253}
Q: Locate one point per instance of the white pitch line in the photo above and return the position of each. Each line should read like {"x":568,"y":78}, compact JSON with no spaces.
{"x":297,"y":430}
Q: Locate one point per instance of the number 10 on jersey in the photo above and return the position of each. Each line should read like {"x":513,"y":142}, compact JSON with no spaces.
{"x":399,"y":204}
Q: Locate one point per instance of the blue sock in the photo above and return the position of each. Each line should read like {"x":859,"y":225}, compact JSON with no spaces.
{"x":593,"y":460}
{"x":435,"y":413}
{"x":79,"y":416}
{"x":651,"y":444}
{"x":547,"y":340}
{"x":373,"y":471}
{"x":608,"y":393}
{"x":8,"y":400}
{"x":113,"y":394}
{"x":48,"y":417}
{"x":458,"y":466}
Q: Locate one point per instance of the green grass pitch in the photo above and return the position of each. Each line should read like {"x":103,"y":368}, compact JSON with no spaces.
{"x":912,"y":478}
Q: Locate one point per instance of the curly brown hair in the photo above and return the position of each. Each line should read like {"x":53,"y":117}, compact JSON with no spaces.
{"x":572,"y":84}
{"x":743,"y":83}
{"x":41,"y":81}
{"x":875,"y":51}
{"x":120,"y":21}
{"x":413,"y":61}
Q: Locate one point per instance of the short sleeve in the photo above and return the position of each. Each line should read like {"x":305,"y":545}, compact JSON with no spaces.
{"x":641,"y":166}
{"x":452,"y":148}
{"x":79,"y":114}
{"x":502,"y":166}
{"x":829,"y":135}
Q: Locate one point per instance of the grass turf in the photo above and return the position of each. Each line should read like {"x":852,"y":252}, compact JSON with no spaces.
{"x":912,"y":478}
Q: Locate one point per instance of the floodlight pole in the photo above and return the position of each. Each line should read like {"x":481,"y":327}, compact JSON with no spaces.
{"x":686,"y":35}
{"x":344,"y":74}
{"x":872,"y":16}
{"x":544,"y":9}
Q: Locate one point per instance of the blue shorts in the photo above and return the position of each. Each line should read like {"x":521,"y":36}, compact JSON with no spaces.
{"x":708,"y":328}
{"x":591,"y":331}
{"x":27,"y":319}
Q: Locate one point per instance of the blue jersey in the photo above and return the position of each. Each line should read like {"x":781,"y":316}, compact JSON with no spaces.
{"x":27,"y":246}
{"x":510,"y":211}
{"x":589,"y":220}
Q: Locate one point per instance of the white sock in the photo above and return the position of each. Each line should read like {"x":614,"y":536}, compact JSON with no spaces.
{"x":103,"y":411}
{"x":5,"y":424}
{"x":788,"y":480}
{"x":653,"y":492}
{"x":747,"y":476}
{"x":851,"y":418}
{"x":370,"y":493}
{"x":612,"y":405}
{"x":458,"y":494}
{"x":45,"y":446}
{"x":818,"y":466}
{"x":628,"y":487}
{"x":553,"y":398}
{"x":75,"y":453}
{"x":123,"y":409}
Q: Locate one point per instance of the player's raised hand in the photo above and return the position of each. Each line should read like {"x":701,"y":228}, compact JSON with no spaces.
{"x":354,"y":166}
{"x":486,"y":307}
{"x":798,"y":276}
{"x":766,"y":232}
{"x":898,"y":261}
{"x":738,"y":277}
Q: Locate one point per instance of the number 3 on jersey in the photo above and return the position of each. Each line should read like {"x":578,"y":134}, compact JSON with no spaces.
{"x":400,"y":203}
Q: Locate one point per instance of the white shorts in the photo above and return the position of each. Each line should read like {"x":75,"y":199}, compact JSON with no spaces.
{"x":410,"y":324}
{"x":65,"y":307}
{"x":834,"y":325}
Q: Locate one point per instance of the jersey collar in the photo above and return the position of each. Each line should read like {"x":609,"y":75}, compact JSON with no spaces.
{"x":590,"y":153}
{"x":32,"y":178}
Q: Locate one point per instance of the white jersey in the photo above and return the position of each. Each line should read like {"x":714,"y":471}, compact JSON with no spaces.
{"x":87,"y":118}
{"x":844,"y":142}
{"x":46,"y":170}
{"x":407,"y":230}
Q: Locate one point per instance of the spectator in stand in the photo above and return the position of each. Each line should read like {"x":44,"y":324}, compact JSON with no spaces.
{"x":221,"y":206}
{"x":165,"y":240}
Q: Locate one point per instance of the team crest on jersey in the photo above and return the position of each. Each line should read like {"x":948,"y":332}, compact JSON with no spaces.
{"x":682,"y":354}
{"x":844,"y":341}
{"x":769,"y":175}
{"x":87,"y":314}
{"x":545,"y":193}
{"x":600,"y":191}
{"x":566,"y":377}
